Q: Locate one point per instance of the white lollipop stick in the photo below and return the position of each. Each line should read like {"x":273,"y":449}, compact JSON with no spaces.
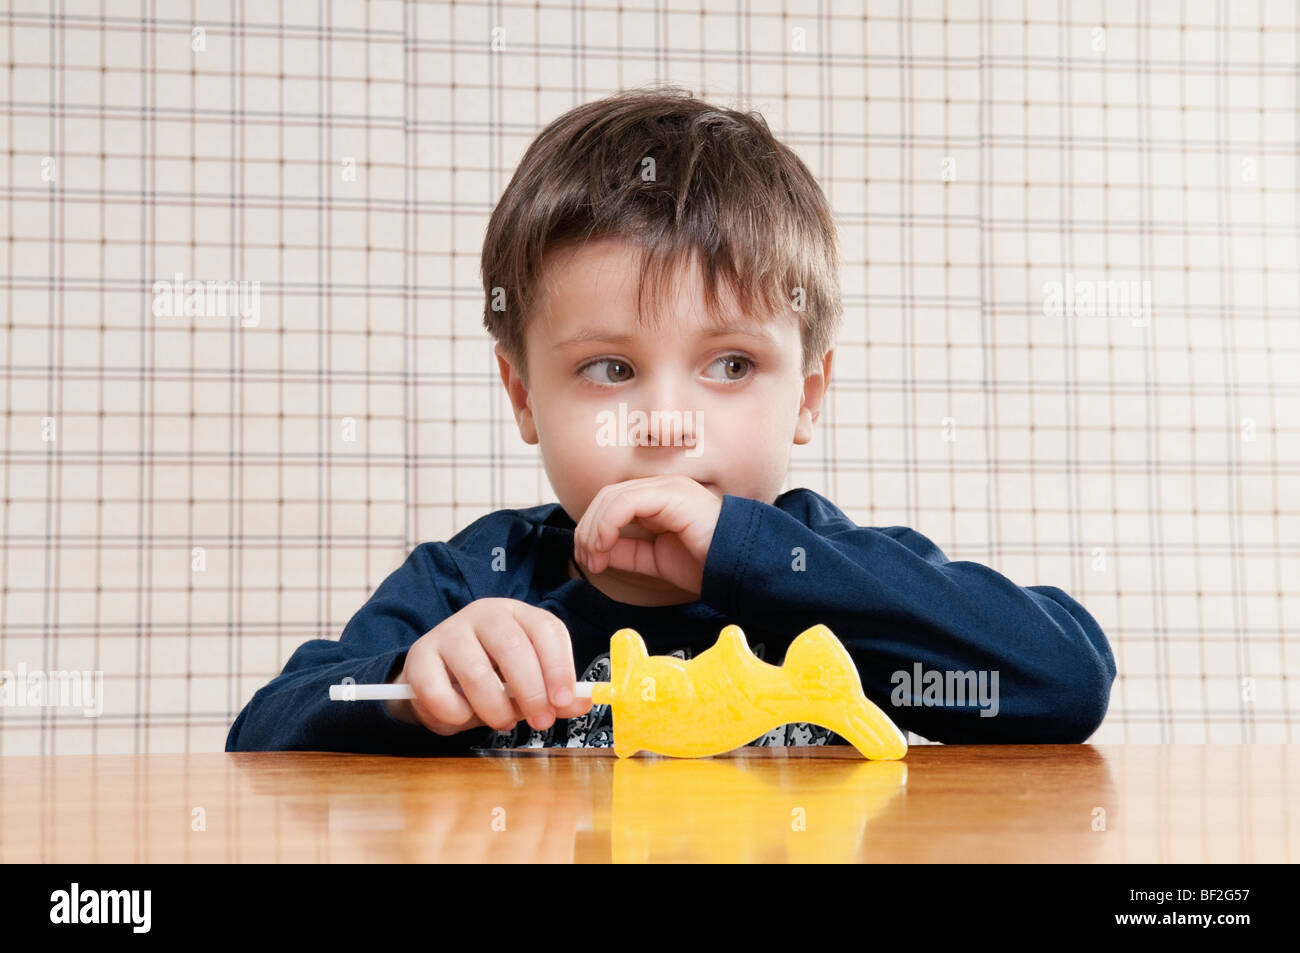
{"x":381,"y":691}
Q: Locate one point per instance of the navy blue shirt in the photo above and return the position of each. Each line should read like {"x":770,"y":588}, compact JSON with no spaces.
{"x":900,"y":606}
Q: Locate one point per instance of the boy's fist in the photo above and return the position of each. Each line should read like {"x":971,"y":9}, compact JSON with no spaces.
{"x":678,"y":515}
{"x":453,"y":670}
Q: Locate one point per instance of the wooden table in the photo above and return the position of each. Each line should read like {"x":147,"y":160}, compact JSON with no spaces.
{"x":1110,"y":803}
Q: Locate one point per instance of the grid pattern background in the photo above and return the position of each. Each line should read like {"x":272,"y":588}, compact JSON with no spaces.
{"x":186,"y":499}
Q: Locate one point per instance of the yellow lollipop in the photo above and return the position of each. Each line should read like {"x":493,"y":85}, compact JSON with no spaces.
{"x":726,"y":696}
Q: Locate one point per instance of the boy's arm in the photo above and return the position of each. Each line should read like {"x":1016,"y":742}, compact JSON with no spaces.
{"x":894,"y":599}
{"x":294,"y":711}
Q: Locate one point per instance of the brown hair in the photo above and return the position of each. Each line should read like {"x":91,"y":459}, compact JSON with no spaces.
{"x":678,"y":177}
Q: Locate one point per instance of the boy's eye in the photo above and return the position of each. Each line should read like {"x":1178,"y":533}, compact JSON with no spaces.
{"x":620,"y":371}
{"x":610,"y":370}
{"x":729,"y":363}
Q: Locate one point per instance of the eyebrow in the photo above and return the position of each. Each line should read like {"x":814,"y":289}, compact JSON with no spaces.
{"x":759,"y":332}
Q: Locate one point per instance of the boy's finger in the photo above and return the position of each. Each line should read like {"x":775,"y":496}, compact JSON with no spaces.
{"x":579,"y":706}
{"x":554,"y":648}
{"x":511,"y":647}
{"x":435,"y":697}
{"x":469,"y":664}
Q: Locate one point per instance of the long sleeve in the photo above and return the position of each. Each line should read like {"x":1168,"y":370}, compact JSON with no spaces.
{"x":294,"y":711}
{"x":900,"y":607}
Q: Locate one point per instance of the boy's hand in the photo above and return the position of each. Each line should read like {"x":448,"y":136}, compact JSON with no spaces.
{"x":529,"y":646}
{"x":679,"y":514}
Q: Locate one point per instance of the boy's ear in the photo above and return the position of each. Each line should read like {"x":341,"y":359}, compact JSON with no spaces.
{"x":814,"y":389}
{"x":519,"y":398}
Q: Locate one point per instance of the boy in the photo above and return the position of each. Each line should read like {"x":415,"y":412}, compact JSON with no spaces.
{"x":673,"y":527}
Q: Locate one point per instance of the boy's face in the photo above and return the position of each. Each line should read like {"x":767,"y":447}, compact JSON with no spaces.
{"x":740,"y":395}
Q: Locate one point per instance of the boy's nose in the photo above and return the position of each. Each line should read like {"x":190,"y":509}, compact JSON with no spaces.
{"x":665,"y":427}
{"x":670,"y":420}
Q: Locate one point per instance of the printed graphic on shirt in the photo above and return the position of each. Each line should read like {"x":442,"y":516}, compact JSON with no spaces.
{"x":595,"y":729}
